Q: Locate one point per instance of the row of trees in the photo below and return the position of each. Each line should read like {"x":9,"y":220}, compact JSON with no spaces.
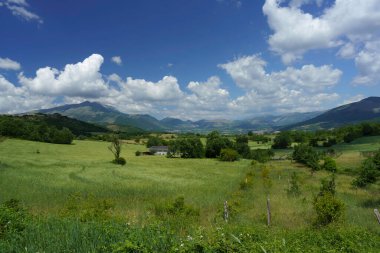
{"x":326,"y":138}
{"x":217,"y":146}
{"x":34,"y":130}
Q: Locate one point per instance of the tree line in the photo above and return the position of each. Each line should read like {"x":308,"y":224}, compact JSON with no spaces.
{"x":34,"y":129}
{"x":326,"y":138}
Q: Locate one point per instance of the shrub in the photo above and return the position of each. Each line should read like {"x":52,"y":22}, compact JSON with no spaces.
{"x":229,"y":155}
{"x":306,"y":155}
{"x":328,"y":208}
{"x":329,"y":164}
{"x":247,"y":182}
{"x":178,"y":207}
{"x":328,"y":186}
{"x":367,"y":175}
{"x":120,"y":161}
{"x":262,"y":155}
{"x":294,"y":189}
{"x":13,"y":218}
{"x":127,"y":247}
{"x":137,"y":153}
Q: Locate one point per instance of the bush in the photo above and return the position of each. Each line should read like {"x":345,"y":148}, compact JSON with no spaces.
{"x":328,"y":208}
{"x":262,"y":155}
{"x":13,"y":218}
{"x":306,"y":155}
{"x":229,"y":155}
{"x":329,"y":164}
{"x":137,"y":153}
{"x":178,"y":207}
{"x":294,"y":189}
{"x":367,"y":175}
{"x":120,"y":161}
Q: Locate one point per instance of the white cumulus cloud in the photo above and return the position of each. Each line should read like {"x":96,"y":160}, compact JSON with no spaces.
{"x":80,"y":79}
{"x":296,"y":32}
{"x":292,"y":89}
{"x":8,"y":64}
{"x":117,"y":60}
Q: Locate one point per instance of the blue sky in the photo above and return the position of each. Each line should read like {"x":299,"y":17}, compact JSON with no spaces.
{"x":189,"y":59}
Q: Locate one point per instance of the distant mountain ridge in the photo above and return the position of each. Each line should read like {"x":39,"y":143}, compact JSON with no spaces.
{"x":367,"y":109}
{"x":97,"y":113}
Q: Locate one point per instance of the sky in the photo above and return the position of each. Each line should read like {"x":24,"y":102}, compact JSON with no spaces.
{"x":198,"y":59}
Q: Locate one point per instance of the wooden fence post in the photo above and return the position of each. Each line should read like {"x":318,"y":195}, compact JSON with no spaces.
{"x":377,"y":214}
{"x":268,"y":211}
{"x":226,"y":211}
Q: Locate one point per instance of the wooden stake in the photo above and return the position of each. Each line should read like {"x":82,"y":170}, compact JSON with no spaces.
{"x":268,"y":211}
{"x":226,"y":211}
{"x":377,"y":214}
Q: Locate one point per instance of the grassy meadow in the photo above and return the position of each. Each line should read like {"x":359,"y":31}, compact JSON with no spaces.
{"x":44,"y":176}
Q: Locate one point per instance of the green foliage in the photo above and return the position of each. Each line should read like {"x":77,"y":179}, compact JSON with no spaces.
{"x":34,"y":128}
{"x":262,"y":155}
{"x":329,"y":164}
{"x":155,"y":141}
{"x":177,"y":208}
{"x":327,"y":207}
{"x":294,"y":188}
{"x":13,"y":219}
{"x":328,"y":186}
{"x":138,"y":153}
{"x":229,"y":155}
{"x":282,"y":140}
{"x":306,"y":155}
{"x":258,"y":137}
{"x":120,"y":161}
{"x":367,"y":175}
{"x":247,"y":182}
{"x":241,"y":146}
{"x":128,"y":247}
{"x":267,"y":182}
{"x":190,"y":147}
{"x":87,"y":207}
{"x":215,"y":143}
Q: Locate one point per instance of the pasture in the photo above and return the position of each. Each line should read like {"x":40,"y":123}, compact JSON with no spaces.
{"x":44,"y":176}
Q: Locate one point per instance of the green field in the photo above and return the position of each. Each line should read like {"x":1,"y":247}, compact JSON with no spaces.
{"x":44,"y":180}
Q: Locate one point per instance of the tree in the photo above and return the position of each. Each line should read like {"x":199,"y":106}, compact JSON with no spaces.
{"x":242,"y":147}
{"x":155,"y":141}
{"x":367,"y":175}
{"x":190,"y":147}
{"x":215,"y":143}
{"x":282,"y":140}
{"x":115,"y":148}
{"x":329,"y":164}
{"x":229,"y":155}
{"x":307,"y":155}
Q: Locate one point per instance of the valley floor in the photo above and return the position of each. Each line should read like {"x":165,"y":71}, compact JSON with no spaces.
{"x":49,"y":179}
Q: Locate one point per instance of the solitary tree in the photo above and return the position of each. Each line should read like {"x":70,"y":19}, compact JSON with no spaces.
{"x":115,"y":148}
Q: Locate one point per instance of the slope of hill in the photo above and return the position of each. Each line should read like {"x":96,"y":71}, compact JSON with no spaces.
{"x":107,"y":116}
{"x":94,"y":112}
{"x":367,"y":109}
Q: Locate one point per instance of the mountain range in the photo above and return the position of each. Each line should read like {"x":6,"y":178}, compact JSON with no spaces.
{"x":94,"y":112}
